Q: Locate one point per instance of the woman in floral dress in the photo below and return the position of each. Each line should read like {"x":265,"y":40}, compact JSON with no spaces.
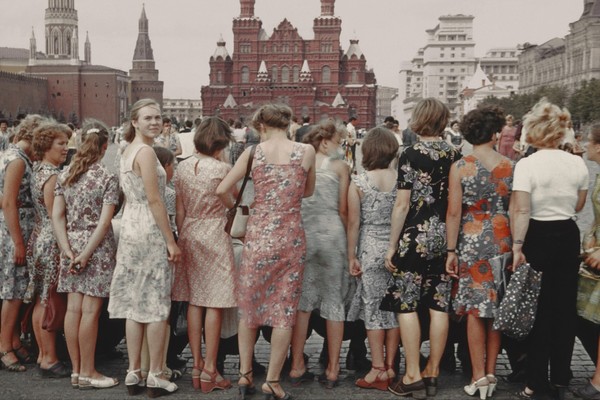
{"x":140,"y":291}
{"x":371,"y":197}
{"x":204,"y":277}
{"x":50,"y":145}
{"x":417,"y":248}
{"x":86,"y":195}
{"x":16,"y":224}
{"x":326,"y":283}
{"x":270,"y":278}
{"x":478,"y":228}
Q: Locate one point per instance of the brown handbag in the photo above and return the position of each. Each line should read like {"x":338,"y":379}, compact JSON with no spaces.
{"x":55,"y":310}
{"x":237,"y":216}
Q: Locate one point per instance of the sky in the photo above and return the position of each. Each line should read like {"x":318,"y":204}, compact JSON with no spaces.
{"x":184,"y":32}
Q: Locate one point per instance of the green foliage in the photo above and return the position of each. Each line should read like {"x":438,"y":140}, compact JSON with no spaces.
{"x":519,"y":104}
{"x":584,"y":104}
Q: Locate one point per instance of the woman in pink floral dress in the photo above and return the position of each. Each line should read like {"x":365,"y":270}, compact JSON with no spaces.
{"x":86,"y":195}
{"x":204,"y":276}
{"x":270,"y":277}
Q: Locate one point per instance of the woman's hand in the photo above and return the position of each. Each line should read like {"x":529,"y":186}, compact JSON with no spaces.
{"x":174,"y":252}
{"x":452,"y":265}
{"x":518,"y":259}
{"x":593,"y":259}
{"x":19,"y":255}
{"x":78,"y":263}
{"x":388,"y":260}
{"x":354,"y":265}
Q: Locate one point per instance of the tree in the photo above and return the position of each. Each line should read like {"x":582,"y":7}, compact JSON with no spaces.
{"x":584,"y":104}
{"x":519,"y":104}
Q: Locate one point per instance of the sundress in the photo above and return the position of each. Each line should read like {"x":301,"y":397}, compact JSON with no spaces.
{"x":84,"y":201}
{"x":373,"y":240}
{"x":484,"y":233}
{"x":141,"y":284}
{"x":205,"y":274}
{"x":421,"y":277}
{"x":43,"y":254}
{"x":14,"y":279}
{"x":326,"y":281}
{"x":270,"y":277}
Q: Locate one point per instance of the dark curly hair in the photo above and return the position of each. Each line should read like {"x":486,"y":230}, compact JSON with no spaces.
{"x":480,"y":125}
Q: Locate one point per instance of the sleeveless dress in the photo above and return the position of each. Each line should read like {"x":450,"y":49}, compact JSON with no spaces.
{"x":326,"y":278}
{"x":43,"y":254}
{"x":373,"y":239}
{"x":204,"y":275}
{"x":484,"y":233}
{"x":270,"y":277}
{"x":141,"y":284}
{"x":14,"y":279}
{"x":84,"y":201}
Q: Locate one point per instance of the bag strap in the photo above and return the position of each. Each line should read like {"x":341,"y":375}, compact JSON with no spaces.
{"x":248,"y":170}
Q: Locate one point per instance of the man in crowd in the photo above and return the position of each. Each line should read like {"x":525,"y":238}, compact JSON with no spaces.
{"x":304,"y":129}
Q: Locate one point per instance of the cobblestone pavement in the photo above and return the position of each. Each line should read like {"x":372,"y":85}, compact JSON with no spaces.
{"x":29,"y":385}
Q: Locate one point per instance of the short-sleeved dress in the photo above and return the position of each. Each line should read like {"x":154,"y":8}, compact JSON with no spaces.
{"x":84,"y":201}
{"x":326,"y":281}
{"x":484,"y":233}
{"x":14,"y":279}
{"x":270,"y":277}
{"x":421,"y":277}
{"x":373,"y":240}
{"x":141,"y":284}
{"x":205,"y":274}
{"x":43,"y":254}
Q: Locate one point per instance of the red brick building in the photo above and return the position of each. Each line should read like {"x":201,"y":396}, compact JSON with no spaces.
{"x":315,"y":77}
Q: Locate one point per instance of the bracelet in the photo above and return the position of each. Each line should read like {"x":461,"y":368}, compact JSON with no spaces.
{"x":518,"y":242}
{"x":451,"y":251}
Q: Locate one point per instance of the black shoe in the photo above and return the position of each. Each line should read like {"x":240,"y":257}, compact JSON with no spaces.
{"x":176,"y":362}
{"x":416,"y":389}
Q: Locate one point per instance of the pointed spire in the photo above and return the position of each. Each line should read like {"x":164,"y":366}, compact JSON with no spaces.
{"x":263,"y":73}
{"x":230,"y":102}
{"x":221,"y":50}
{"x":338,"y":101}
{"x":354,"y":49}
{"x":87,"y":49}
{"x":32,"y":45}
{"x":479,"y":79}
{"x":143,"y":46}
{"x":305,"y":74}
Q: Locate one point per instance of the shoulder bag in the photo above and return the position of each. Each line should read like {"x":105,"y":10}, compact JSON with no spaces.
{"x":237,"y":216}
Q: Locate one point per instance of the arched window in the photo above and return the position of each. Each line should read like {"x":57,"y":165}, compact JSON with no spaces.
{"x":55,"y":44}
{"x":326,"y":74}
{"x":274,"y":73}
{"x":285,"y":74}
{"x":296,"y":73}
{"x":354,"y":78}
{"x":245,"y":75}
{"x":219,"y":76}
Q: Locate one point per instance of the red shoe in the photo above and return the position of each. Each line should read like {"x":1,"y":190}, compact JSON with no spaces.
{"x":381,"y":381}
{"x":213,"y":384}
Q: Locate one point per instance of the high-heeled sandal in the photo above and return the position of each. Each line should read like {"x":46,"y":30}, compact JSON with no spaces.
{"x":24,"y":355}
{"x":208,"y":386}
{"x":272,"y":395}
{"x":493,"y":382}
{"x":248,"y":389}
{"x":196,"y":373}
{"x":481,"y":385}
{"x":156,"y":386}
{"x":378,"y":383}
{"x":134,"y":382}
{"x":12,"y":367}
{"x":390,"y":368}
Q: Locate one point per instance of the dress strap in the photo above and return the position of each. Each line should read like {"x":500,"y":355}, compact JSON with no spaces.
{"x":127,"y":163}
{"x":297,"y":154}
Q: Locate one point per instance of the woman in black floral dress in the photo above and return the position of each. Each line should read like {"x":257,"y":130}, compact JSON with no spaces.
{"x":417,"y":249}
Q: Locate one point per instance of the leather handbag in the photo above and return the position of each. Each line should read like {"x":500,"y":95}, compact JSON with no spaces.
{"x":55,"y":310}
{"x":517,"y":310}
{"x":237,"y":216}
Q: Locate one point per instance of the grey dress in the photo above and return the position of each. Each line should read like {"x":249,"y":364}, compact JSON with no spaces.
{"x":141,"y":285}
{"x":375,"y":227}
{"x":326,"y":278}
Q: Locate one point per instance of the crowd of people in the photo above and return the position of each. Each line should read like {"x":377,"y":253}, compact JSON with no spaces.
{"x":398,"y":245}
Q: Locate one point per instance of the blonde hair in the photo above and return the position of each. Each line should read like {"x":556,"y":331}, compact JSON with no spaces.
{"x":45,"y":134}
{"x":325,"y":130}
{"x":430,"y":117}
{"x":94,"y":136}
{"x":27,"y":126}
{"x":546,"y":124}
{"x":134,"y":114}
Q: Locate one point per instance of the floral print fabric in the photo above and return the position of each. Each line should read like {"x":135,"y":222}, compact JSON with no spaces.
{"x":270,"y":277}
{"x":14,"y":279}
{"x":375,"y":216}
{"x":84,"y":201}
{"x":141,"y":284}
{"x":484,"y":233}
{"x":42,"y":250}
{"x":421,"y":277}
{"x":204,"y":276}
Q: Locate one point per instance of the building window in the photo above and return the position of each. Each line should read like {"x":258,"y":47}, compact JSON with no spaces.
{"x":326,"y":75}
{"x":296,"y":73}
{"x":274,"y":49}
{"x":274,"y":72}
{"x":219,"y":76}
{"x":286,"y":48}
{"x":245,"y":75}
{"x":354,"y":77}
{"x":285,"y":74}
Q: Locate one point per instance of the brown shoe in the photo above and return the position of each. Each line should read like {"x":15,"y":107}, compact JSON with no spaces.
{"x":416,"y":390}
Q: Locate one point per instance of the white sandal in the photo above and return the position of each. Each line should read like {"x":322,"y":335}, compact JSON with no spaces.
{"x":158,"y":386}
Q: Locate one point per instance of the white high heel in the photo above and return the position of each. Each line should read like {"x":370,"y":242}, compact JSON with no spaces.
{"x":134,"y":383}
{"x":156,"y":386}
{"x":493,"y":382}
{"x":481,"y":384}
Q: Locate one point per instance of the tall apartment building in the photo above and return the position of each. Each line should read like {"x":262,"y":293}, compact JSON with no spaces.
{"x":501,"y":67}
